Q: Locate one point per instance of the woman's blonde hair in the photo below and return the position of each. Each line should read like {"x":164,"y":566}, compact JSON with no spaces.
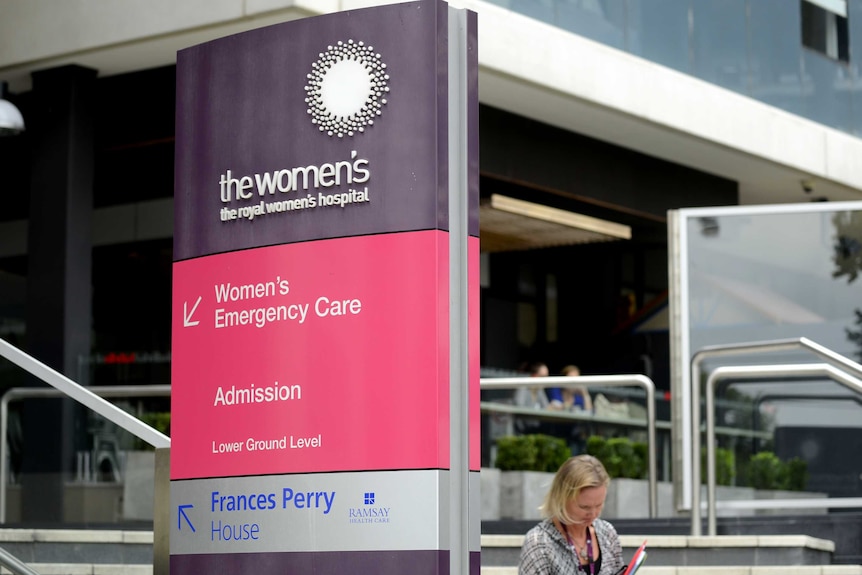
{"x":575,"y":474}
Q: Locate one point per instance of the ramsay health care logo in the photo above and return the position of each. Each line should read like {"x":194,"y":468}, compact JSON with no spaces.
{"x":369,"y":513}
{"x":346,"y":89}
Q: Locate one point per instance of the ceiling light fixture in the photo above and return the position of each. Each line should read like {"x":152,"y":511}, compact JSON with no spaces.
{"x":11,"y":120}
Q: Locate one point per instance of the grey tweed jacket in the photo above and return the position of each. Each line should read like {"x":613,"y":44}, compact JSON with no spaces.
{"x":546,"y":551}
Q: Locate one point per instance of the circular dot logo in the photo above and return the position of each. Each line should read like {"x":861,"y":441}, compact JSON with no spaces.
{"x":346,"y":89}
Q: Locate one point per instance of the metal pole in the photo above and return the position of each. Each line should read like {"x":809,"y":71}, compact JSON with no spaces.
{"x":162,"y":513}
{"x":460,"y":537}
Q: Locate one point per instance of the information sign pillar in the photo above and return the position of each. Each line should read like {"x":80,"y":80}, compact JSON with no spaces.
{"x":325,"y":366}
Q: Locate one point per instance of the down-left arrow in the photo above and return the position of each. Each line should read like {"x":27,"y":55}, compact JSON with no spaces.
{"x":181,"y":514}
{"x":187,"y":315}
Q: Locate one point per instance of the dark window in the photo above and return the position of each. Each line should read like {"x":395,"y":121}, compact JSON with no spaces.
{"x":824,"y":28}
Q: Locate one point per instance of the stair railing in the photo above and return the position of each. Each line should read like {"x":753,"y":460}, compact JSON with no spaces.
{"x":802,"y":343}
{"x":765,"y":372}
{"x":18,"y":393}
{"x":489,"y":383}
{"x":14,"y":564}
{"x":111,"y":412}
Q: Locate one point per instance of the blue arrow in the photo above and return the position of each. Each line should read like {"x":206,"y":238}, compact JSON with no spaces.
{"x":182,"y":515}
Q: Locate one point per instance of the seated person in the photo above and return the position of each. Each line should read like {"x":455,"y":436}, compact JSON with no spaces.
{"x":567,"y":398}
{"x":577,"y":398}
{"x":573,"y":399}
{"x":533,"y":397}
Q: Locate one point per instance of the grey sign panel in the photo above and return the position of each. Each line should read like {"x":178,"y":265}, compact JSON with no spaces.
{"x":364,"y":511}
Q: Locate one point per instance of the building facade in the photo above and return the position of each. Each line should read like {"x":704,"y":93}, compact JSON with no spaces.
{"x":614,"y":111}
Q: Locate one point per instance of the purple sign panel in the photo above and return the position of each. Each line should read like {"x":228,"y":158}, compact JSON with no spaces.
{"x":353,"y":102}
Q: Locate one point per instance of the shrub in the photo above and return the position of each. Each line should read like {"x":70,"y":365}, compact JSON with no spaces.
{"x":160,"y":421}
{"x":514,"y":453}
{"x":535,"y":452}
{"x":765,"y":471}
{"x":620,"y":455}
{"x":597,"y":446}
{"x":725,"y":466}
{"x":639,"y":464}
{"x":797,"y":474}
{"x":552,"y":452}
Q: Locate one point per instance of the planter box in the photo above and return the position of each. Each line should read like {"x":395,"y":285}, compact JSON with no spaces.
{"x":629,"y":498}
{"x":780,"y":494}
{"x":518,"y":495}
{"x":82,"y":503}
{"x":490,"y":490}
{"x":138,"y":485}
{"x":522,"y":492}
{"x":730,"y":493}
{"x":92,"y":502}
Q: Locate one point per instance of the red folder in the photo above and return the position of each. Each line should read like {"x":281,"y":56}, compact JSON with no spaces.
{"x":635,"y":563}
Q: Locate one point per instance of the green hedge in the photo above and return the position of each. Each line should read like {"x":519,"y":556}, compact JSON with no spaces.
{"x":767,"y":471}
{"x":536,"y":452}
{"x":725,"y":466}
{"x":621,"y":456}
{"x":160,"y":421}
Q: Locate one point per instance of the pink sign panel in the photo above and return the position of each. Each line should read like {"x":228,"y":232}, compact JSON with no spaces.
{"x":312,"y":357}
{"x":474,"y":371}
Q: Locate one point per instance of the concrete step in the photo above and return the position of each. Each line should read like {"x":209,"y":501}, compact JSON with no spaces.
{"x":681,"y":550}
{"x":108,"y":569}
{"x":107,"y":552}
{"x":728,"y":570}
{"x":87,"y":569}
{"x":84,"y":547}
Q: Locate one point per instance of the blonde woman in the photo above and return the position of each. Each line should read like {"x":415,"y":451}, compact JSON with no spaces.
{"x":572,"y":539}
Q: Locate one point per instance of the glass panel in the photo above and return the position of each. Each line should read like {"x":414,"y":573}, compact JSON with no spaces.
{"x":720,"y":43}
{"x":775,"y":55}
{"x":751,"y":47}
{"x":103,"y":476}
{"x":539,"y":9}
{"x":771,"y":277}
{"x":854,"y":23}
{"x":600,"y":20}
{"x":662,"y":29}
{"x":827,"y":91}
{"x":813,"y":422}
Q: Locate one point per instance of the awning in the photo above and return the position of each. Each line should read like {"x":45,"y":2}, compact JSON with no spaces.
{"x":508,"y":224}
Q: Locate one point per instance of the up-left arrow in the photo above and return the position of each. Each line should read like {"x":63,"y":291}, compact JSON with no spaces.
{"x":187,"y":315}
{"x":181,"y":514}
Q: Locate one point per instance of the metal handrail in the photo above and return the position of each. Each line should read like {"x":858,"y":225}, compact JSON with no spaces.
{"x":574,"y":416}
{"x":598,"y":380}
{"x":761,"y":372}
{"x":17,"y":393}
{"x":79,"y":393}
{"x":84,"y":396}
{"x":14,"y":564}
{"x":835,"y":359}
